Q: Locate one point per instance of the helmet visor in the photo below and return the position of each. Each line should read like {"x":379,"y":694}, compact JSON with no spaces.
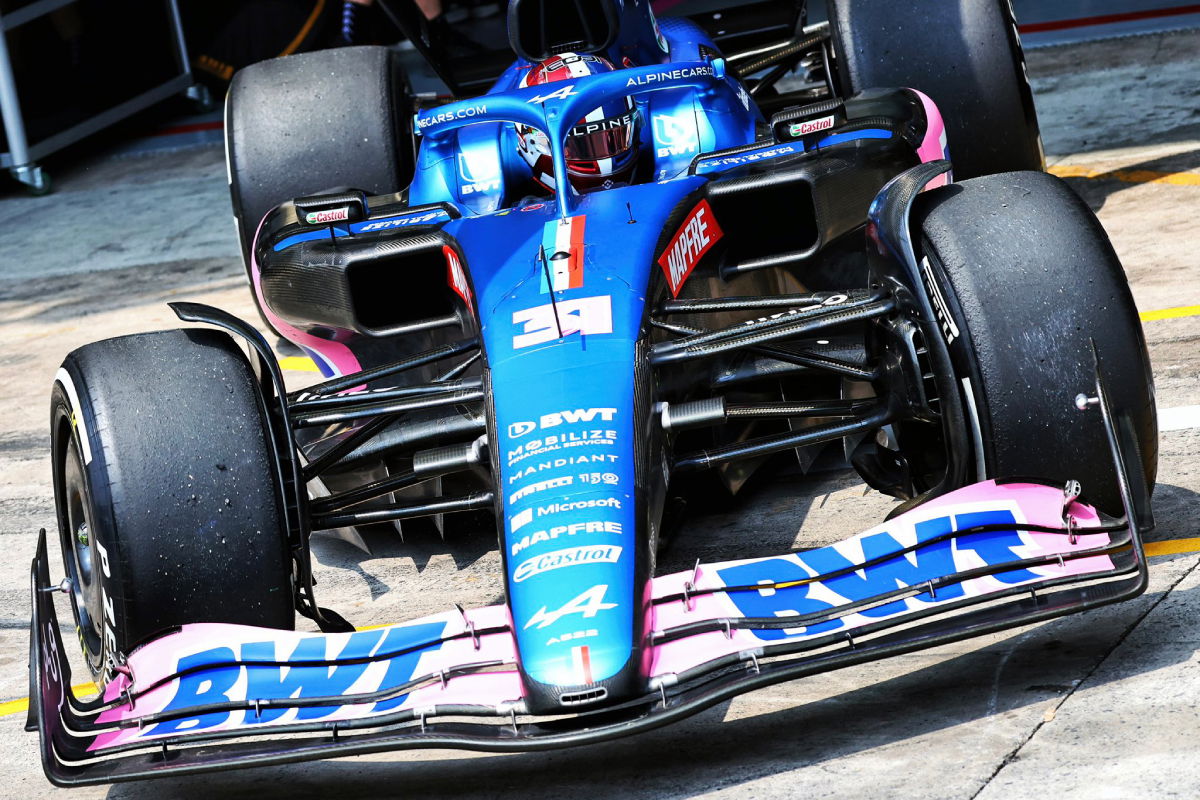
{"x":606,"y":138}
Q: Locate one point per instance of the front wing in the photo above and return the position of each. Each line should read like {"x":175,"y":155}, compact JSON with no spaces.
{"x":208,"y":697}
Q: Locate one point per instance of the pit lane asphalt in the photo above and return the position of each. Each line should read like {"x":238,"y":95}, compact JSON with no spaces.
{"x":1103,"y":704}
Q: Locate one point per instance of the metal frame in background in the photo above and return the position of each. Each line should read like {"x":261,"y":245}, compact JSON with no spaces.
{"x":22,"y":157}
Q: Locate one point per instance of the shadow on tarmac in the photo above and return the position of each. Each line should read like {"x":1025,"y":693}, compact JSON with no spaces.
{"x":71,"y":298}
{"x":1096,"y":190}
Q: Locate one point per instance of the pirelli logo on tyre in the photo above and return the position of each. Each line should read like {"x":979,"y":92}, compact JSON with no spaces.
{"x":697,"y":234}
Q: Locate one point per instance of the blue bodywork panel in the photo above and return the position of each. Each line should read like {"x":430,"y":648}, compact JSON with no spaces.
{"x":561,"y":381}
{"x":561,"y":284}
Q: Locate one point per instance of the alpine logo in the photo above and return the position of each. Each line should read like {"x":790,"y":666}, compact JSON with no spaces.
{"x":328,"y":215}
{"x":588,"y":604}
{"x":810,"y":126}
{"x":698,"y":233}
{"x":586,"y":128}
{"x":557,"y":94}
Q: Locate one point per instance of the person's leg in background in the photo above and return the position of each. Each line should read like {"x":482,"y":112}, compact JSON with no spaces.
{"x":432,"y":9}
{"x":354,"y":23}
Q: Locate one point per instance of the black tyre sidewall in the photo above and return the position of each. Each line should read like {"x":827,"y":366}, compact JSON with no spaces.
{"x":971,"y":65}
{"x":165,"y":566}
{"x":1025,"y":328}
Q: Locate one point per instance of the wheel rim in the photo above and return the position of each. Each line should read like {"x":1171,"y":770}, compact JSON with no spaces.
{"x":81,"y":560}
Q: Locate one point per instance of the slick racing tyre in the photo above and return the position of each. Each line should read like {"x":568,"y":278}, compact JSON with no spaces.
{"x":966,"y":55}
{"x":166,"y":491}
{"x":314,"y":122}
{"x":1023,"y":278}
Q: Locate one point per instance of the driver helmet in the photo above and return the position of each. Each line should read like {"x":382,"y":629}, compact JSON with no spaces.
{"x":601,"y":150}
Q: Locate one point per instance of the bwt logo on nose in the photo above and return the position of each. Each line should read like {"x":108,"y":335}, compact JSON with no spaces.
{"x":552,"y":420}
{"x":519,"y":429}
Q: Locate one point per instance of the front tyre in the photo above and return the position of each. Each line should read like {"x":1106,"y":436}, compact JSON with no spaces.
{"x":165,"y":486}
{"x":1025,"y":279}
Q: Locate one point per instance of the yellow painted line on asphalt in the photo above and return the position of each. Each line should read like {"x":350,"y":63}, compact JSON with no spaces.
{"x":298,"y":364}
{"x":1172,"y":547}
{"x":1170,"y":313}
{"x":1127,"y":175}
{"x":21,"y":705}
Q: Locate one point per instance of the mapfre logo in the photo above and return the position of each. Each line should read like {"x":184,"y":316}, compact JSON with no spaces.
{"x":457,"y":276}
{"x":698,"y":233}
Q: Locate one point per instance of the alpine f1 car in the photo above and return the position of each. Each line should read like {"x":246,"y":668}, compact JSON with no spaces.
{"x":636,"y":269}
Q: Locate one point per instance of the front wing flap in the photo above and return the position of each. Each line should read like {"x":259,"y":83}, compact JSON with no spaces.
{"x":206,"y":697}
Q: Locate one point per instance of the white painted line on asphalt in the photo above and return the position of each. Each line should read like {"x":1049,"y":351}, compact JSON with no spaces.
{"x":1177,"y":419}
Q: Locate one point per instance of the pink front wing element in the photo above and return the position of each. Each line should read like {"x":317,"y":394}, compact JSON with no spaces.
{"x":1027,"y":503}
{"x":934,"y":146}
{"x":163,"y":658}
{"x":984,"y":503}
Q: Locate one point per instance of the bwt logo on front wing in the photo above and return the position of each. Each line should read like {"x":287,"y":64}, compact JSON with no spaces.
{"x":552,"y":420}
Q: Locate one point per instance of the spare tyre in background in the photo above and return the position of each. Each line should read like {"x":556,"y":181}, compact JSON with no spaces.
{"x":313,"y":122}
{"x":965,"y":54}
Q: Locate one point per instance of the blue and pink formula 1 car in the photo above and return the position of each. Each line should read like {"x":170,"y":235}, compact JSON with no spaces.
{"x":634,"y":272}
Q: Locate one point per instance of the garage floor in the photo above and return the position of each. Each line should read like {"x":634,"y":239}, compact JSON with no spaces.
{"x":1103,"y":705}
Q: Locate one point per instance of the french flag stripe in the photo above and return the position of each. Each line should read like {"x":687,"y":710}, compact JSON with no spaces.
{"x":582,"y":660}
{"x":564,"y":236}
